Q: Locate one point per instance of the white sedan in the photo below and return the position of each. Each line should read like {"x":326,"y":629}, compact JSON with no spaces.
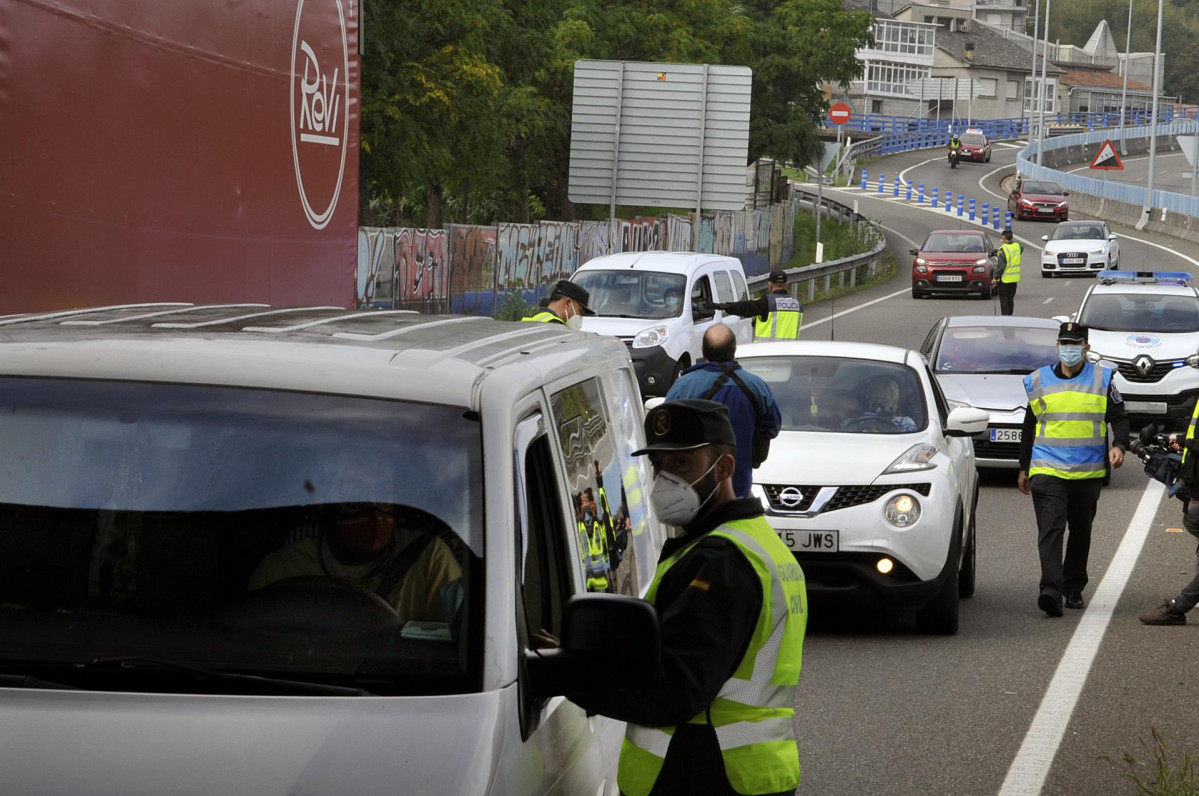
{"x":871,"y":481}
{"x":1080,"y":247}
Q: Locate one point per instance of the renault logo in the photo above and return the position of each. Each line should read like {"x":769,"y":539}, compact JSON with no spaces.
{"x":1143,"y":365}
{"x":790,"y":497}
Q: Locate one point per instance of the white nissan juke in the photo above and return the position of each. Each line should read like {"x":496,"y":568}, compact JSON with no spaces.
{"x":871,"y":481}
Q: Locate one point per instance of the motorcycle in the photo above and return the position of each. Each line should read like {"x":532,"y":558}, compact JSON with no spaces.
{"x":954,"y":155}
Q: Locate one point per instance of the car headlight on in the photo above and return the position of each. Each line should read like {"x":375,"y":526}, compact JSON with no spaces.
{"x":921,"y":261}
{"x":1096,"y":251}
{"x":1026,"y":202}
{"x":902,"y":510}
{"x":981,"y":261}
{"x":1062,"y":204}
{"x":648,"y":338}
{"x":917,"y":457}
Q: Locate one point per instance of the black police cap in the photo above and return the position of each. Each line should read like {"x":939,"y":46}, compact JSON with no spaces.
{"x":1071,"y":332}
{"x":572,"y":291}
{"x":686,"y":424}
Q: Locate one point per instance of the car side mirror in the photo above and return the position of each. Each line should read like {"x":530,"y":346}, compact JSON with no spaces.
{"x":994,"y":252}
{"x":609,"y":641}
{"x":1112,"y":236}
{"x":966,"y":421}
{"x":1044,"y":237}
{"x":913,"y":251}
{"x":1065,"y":193}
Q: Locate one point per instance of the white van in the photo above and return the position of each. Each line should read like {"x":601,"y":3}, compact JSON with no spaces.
{"x":631,"y":292}
{"x":158,"y":459}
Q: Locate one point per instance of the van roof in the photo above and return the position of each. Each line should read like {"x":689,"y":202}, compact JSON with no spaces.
{"x":672,"y":262}
{"x":379,"y":353}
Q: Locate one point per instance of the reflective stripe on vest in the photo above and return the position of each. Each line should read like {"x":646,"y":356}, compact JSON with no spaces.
{"x":752,"y":714}
{"x":545,"y":316}
{"x":1071,"y":430}
{"x":1190,"y":433}
{"x":783,"y":320}
{"x":597,"y":563}
{"x":1011,"y":253}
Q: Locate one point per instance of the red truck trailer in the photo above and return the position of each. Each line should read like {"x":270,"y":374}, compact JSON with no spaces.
{"x":178,"y":151}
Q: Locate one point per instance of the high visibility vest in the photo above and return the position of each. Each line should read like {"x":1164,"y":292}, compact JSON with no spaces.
{"x":1190,"y":433}
{"x":596,"y":564}
{"x":752,"y":713}
{"x":1011,"y":253}
{"x":783,"y":320}
{"x":1071,"y":432}
{"x":545,"y":316}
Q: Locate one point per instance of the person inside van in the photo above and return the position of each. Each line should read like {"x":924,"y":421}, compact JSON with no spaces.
{"x":396,"y":555}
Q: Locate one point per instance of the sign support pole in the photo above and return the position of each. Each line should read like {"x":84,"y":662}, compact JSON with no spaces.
{"x":612,"y":227}
{"x":699,"y":181}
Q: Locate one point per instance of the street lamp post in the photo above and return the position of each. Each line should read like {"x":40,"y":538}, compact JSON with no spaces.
{"x":1124,"y":93}
{"x":1157,"y":80}
{"x":1044,"y":66}
{"x":1036,"y":20}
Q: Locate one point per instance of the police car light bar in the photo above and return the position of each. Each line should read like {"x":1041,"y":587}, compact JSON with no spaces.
{"x":1146,"y":277}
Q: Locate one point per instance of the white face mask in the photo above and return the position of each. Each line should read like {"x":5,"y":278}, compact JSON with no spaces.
{"x":575,"y":321}
{"x":676,"y":501}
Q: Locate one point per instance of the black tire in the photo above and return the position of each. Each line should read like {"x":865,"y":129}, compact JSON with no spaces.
{"x":966,"y":576}
{"x":916,"y":294}
{"x":940,"y":616}
{"x":1045,"y":274}
{"x":683,"y":363}
{"x":988,"y":157}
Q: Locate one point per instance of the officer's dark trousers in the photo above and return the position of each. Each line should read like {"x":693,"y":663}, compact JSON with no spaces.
{"x":1007,"y":297}
{"x":1058,"y":503}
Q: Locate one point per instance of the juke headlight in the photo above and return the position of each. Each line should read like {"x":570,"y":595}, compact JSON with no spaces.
{"x":902,"y":510}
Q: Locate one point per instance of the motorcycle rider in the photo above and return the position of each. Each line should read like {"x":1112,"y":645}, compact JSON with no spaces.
{"x":955,"y":147}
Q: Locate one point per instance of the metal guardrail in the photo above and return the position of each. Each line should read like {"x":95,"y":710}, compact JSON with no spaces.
{"x":826,"y":271}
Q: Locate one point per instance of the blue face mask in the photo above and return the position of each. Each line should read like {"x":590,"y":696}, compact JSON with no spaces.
{"x":1070,"y":355}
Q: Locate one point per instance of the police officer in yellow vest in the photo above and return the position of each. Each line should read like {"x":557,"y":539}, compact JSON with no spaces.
{"x":779,"y":313}
{"x":593,"y":539}
{"x":733,"y":609}
{"x":567,"y":305}
{"x":1065,"y":460}
{"x":1007,"y":272}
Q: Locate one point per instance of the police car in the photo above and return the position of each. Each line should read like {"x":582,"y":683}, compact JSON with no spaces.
{"x":1147,"y":325}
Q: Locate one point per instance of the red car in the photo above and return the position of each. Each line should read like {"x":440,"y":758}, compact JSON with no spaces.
{"x":975,"y":146}
{"x":1038,"y":199}
{"x":954,"y":261}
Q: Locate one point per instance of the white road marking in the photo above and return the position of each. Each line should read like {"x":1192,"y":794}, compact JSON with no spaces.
{"x":1028,"y":771}
{"x":1046,"y":301}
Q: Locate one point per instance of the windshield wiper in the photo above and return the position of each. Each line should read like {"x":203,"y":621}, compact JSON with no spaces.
{"x":200,"y":673}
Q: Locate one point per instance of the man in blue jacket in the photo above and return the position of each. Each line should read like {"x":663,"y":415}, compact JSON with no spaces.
{"x":752,"y":410}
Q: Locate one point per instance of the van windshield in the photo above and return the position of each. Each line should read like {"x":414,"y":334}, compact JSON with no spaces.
{"x":623,"y":293}
{"x":324,"y":539}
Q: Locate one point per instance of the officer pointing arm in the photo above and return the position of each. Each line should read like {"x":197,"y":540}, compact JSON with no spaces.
{"x":779,"y":313}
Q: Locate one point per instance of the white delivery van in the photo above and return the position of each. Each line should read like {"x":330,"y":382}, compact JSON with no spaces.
{"x":632,"y":292}
{"x":162,"y":461}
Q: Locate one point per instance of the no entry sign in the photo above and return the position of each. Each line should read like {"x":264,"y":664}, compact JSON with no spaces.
{"x":839,"y":113}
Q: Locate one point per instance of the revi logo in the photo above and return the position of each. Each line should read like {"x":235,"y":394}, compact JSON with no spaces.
{"x":320,"y":98}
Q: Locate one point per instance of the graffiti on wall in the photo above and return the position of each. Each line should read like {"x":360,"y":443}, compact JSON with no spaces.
{"x":593,"y":240}
{"x":422,"y":270}
{"x":376,"y":256}
{"x":472,"y":269}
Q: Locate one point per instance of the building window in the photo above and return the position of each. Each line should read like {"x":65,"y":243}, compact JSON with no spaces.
{"x":876,"y":106}
{"x":892,"y":36}
{"x":1013,"y":89}
{"x":895,"y":79}
{"x":987,"y":86}
{"x":1031,"y":98}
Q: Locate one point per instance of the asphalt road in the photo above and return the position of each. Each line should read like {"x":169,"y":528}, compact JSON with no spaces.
{"x":1016,"y":702}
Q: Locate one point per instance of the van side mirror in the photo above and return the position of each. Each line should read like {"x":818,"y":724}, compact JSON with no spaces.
{"x":609,"y":641}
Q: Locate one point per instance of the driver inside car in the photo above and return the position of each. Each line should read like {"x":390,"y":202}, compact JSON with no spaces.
{"x":406,"y":564}
{"x":881,"y":405}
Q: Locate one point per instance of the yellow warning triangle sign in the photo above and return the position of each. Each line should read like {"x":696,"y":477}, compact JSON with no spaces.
{"x":1106,"y":158}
